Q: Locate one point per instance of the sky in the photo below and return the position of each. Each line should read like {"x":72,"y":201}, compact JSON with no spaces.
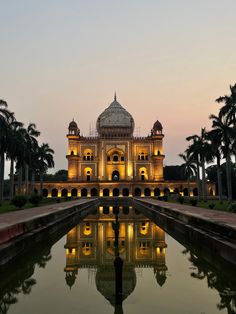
{"x":166,"y":59}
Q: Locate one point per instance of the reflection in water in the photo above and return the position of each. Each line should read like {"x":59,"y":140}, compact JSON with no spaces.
{"x":92,"y":244}
{"x":20,"y":281}
{"x":225,"y":287}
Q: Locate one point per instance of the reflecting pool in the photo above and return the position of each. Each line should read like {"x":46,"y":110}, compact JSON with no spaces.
{"x":153,"y":273}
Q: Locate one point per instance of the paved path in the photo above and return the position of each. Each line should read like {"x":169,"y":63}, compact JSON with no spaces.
{"x":19,"y":216}
{"x":219,"y":217}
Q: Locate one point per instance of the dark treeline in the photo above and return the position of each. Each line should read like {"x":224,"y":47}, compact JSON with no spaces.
{"x":217,"y":145}
{"x":20,"y":146}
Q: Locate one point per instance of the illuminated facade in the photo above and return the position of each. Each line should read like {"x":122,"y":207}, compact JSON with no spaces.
{"x":115,"y":162}
{"x":91,"y":245}
{"x":115,"y":158}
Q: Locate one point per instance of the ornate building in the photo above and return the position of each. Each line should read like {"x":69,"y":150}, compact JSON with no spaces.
{"x":115,"y":162}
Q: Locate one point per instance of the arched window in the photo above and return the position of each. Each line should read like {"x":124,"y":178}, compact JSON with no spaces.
{"x":115,"y":158}
{"x":115,"y":175}
{"x":142,"y":156}
{"x":116,"y":192}
{"x":105,"y":192}
{"x":88,"y":175}
{"x":125,"y":192}
{"x":74,"y":192}
{"x":94,"y":192}
{"x":54,"y":192}
{"x":147,"y":192}
{"x":142,"y":175}
{"x":84,"y":192}
{"x":137,"y":192}
{"x":195,"y":192}
{"x":72,"y":152}
{"x":64,"y":193}
{"x":185,"y":191}
{"x":88,"y":155}
{"x":157,"y":192}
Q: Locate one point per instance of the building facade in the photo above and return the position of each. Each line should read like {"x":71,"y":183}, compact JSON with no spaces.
{"x":115,"y":162}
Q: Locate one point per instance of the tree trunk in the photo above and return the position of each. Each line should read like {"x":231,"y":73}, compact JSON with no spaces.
{"x":32,"y":182}
{"x":198,"y":181}
{"x":26,"y":179}
{"x":19,"y":180}
{"x":203,"y":179}
{"x":219,"y":179}
{"x":41,"y":183}
{"x":11,"y":187}
{"x":229,"y":179}
{"x":188,"y":187}
{"x":2,"y":165}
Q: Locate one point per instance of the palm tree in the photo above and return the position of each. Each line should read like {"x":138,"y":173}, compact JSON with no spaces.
{"x":193,"y":152}
{"x":45,"y":161}
{"x":222,"y":126}
{"x":199,"y":150}
{"x":14,"y":147}
{"x":229,"y":109}
{"x":5,"y":117}
{"x":214,"y":137}
{"x":189,"y":168}
{"x":30,"y":144}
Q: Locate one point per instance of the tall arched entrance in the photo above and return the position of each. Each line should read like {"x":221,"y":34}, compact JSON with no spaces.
{"x":115,"y":175}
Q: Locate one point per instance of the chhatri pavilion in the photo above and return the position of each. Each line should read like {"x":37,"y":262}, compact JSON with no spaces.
{"x":115,"y":162}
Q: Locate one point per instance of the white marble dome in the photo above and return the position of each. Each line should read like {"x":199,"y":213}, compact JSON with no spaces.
{"x":115,"y":121}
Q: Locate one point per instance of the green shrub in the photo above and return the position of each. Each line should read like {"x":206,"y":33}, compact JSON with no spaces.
{"x":181,"y":199}
{"x":212,"y":205}
{"x":19,"y":201}
{"x":232,"y":207}
{"x":193,"y":202}
{"x":35,"y":199}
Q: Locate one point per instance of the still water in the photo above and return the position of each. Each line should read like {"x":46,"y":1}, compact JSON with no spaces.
{"x":76,"y":274}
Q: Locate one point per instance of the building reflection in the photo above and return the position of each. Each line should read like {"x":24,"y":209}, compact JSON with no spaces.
{"x":91,"y":245}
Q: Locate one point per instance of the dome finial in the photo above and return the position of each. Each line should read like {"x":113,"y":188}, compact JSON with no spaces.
{"x":115,"y":97}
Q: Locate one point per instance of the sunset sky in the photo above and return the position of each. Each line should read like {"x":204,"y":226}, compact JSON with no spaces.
{"x":166,"y":59}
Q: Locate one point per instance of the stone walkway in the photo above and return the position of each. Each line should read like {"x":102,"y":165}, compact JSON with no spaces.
{"x":18,"y":223}
{"x":19,"y":216}
{"x":215,"y":216}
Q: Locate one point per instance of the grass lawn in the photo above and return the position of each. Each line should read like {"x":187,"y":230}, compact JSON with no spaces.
{"x":6,"y":206}
{"x":223,"y":206}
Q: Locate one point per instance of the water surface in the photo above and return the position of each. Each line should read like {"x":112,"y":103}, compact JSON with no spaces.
{"x":76,"y":274}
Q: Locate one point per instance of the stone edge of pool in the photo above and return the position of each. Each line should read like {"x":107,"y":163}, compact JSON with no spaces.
{"x":208,"y":229}
{"x":20,"y":230}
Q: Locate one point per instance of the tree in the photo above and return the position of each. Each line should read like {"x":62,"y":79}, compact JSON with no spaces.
{"x":214,"y":137}
{"x":199,"y":152}
{"x":189,"y":168}
{"x":31,"y":146}
{"x":14,"y":146}
{"x":5,"y":117}
{"x":222,"y":126}
{"x":228,"y":111}
{"x":45,"y":161}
